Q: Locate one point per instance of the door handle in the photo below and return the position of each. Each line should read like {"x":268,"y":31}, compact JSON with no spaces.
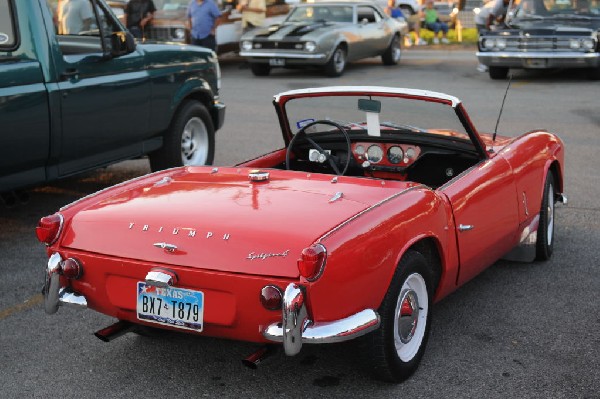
{"x":465,"y":227}
{"x":69,"y":73}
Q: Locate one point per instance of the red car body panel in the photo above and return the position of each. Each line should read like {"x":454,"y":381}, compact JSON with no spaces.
{"x":234,"y":236}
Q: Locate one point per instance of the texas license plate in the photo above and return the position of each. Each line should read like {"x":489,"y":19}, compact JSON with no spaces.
{"x":276,"y":61}
{"x":175,"y":307}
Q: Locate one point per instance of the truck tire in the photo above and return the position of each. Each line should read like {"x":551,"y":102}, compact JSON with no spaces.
{"x":392,"y":54}
{"x":498,"y":73}
{"x":190,"y":140}
{"x":260,"y":69}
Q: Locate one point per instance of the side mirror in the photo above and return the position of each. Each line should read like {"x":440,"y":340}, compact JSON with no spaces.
{"x":121,"y":43}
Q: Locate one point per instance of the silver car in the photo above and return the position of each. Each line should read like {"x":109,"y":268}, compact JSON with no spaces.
{"x":325,"y":34}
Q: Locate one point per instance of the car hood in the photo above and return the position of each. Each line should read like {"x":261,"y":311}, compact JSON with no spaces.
{"x":553,"y":26}
{"x":295,"y":30}
{"x":220,"y":220}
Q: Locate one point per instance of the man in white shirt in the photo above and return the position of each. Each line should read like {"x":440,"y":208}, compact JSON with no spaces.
{"x":74,"y":16}
{"x":253,"y":13}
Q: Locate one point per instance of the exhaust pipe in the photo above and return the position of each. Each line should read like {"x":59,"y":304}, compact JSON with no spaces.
{"x":257,"y":357}
{"x":114,"y":331}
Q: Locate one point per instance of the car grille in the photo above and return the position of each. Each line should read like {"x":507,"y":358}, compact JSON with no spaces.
{"x":547,"y":43}
{"x":277,"y":45}
{"x":161,"y":34}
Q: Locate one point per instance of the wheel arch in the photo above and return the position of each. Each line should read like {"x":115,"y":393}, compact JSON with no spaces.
{"x":194,"y":90}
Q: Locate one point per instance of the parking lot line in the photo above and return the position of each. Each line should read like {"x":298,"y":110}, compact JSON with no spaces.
{"x":29,"y":303}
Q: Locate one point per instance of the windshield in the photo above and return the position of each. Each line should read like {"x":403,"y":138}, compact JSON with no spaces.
{"x":321,"y":14}
{"x":558,"y":8}
{"x":396,"y":115}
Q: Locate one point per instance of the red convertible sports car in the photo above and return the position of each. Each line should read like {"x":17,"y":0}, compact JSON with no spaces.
{"x":383,"y":201}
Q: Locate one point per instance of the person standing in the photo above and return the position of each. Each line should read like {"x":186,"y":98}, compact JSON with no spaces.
{"x":203,"y":18}
{"x":138,"y":15}
{"x":74,"y":16}
{"x":432,"y":22}
{"x":498,"y":13}
{"x":253,"y":13}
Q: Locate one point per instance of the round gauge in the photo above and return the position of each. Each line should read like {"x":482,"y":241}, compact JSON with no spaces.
{"x":395,"y":154}
{"x":410,"y":153}
{"x":374,"y":154}
{"x":359,"y":150}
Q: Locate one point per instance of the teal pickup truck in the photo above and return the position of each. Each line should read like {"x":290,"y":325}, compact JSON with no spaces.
{"x":77,"y":92}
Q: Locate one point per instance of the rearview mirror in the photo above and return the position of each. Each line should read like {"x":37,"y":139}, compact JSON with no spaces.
{"x":369,"y":105}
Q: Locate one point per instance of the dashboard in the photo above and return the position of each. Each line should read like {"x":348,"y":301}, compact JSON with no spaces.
{"x":388,"y":156}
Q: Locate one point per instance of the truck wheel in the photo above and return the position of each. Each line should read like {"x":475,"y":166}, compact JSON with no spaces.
{"x":594,"y":73}
{"x":189,"y":141}
{"x":498,"y":73}
{"x":393,"y":352}
{"x":260,"y":69}
{"x":337,"y":63}
{"x":392,"y":54}
{"x":545,"y":233}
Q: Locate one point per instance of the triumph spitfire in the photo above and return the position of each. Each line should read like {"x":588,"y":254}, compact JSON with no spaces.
{"x":382,"y":202}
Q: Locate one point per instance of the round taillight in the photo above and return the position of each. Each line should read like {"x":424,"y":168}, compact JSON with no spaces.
{"x":270,"y":297}
{"x":71,"y":268}
{"x":48,"y":228}
{"x":312,"y":262}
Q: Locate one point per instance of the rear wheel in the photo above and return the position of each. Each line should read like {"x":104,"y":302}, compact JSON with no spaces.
{"x":393,"y":352}
{"x":189,"y":141}
{"x":260,"y":69}
{"x":392,"y":54}
{"x":337,"y":63}
{"x":545,"y":233}
{"x":498,"y":73}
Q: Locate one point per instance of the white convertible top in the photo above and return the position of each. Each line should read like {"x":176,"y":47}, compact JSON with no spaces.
{"x":370,"y":90}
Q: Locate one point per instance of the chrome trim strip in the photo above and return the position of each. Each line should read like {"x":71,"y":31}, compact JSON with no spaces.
{"x":535,"y":54}
{"x":297,"y":329}
{"x":266,"y":54}
{"x":344,"y":223}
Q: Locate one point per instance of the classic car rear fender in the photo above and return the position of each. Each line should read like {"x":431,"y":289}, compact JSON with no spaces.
{"x":363,"y":253}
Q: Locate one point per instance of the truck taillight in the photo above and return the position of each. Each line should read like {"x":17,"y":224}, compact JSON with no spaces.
{"x":312,"y":262}
{"x":48,"y":228}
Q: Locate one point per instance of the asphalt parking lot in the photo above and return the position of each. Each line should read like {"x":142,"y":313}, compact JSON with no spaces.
{"x":517,"y":330}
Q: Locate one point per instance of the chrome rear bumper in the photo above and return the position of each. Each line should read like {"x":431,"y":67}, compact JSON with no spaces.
{"x":54,"y":294}
{"x":297,"y":328}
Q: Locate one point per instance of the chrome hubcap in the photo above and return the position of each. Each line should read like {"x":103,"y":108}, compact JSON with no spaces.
{"x":194,"y":143}
{"x":339,"y":60}
{"x":411,"y":317}
{"x":550,"y":213}
{"x":396,"y":50}
{"x":408,"y":317}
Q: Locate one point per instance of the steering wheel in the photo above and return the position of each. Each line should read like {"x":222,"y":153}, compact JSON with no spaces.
{"x":323,"y":157}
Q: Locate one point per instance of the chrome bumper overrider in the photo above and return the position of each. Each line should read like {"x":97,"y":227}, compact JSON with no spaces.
{"x":297,"y":329}
{"x":54,"y":294}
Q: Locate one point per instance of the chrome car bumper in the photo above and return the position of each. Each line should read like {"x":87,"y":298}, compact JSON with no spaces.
{"x":539,"y":60}
{"x":289,"y":58}
{"x":54,"y":294}
{"x":297,"y":328}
